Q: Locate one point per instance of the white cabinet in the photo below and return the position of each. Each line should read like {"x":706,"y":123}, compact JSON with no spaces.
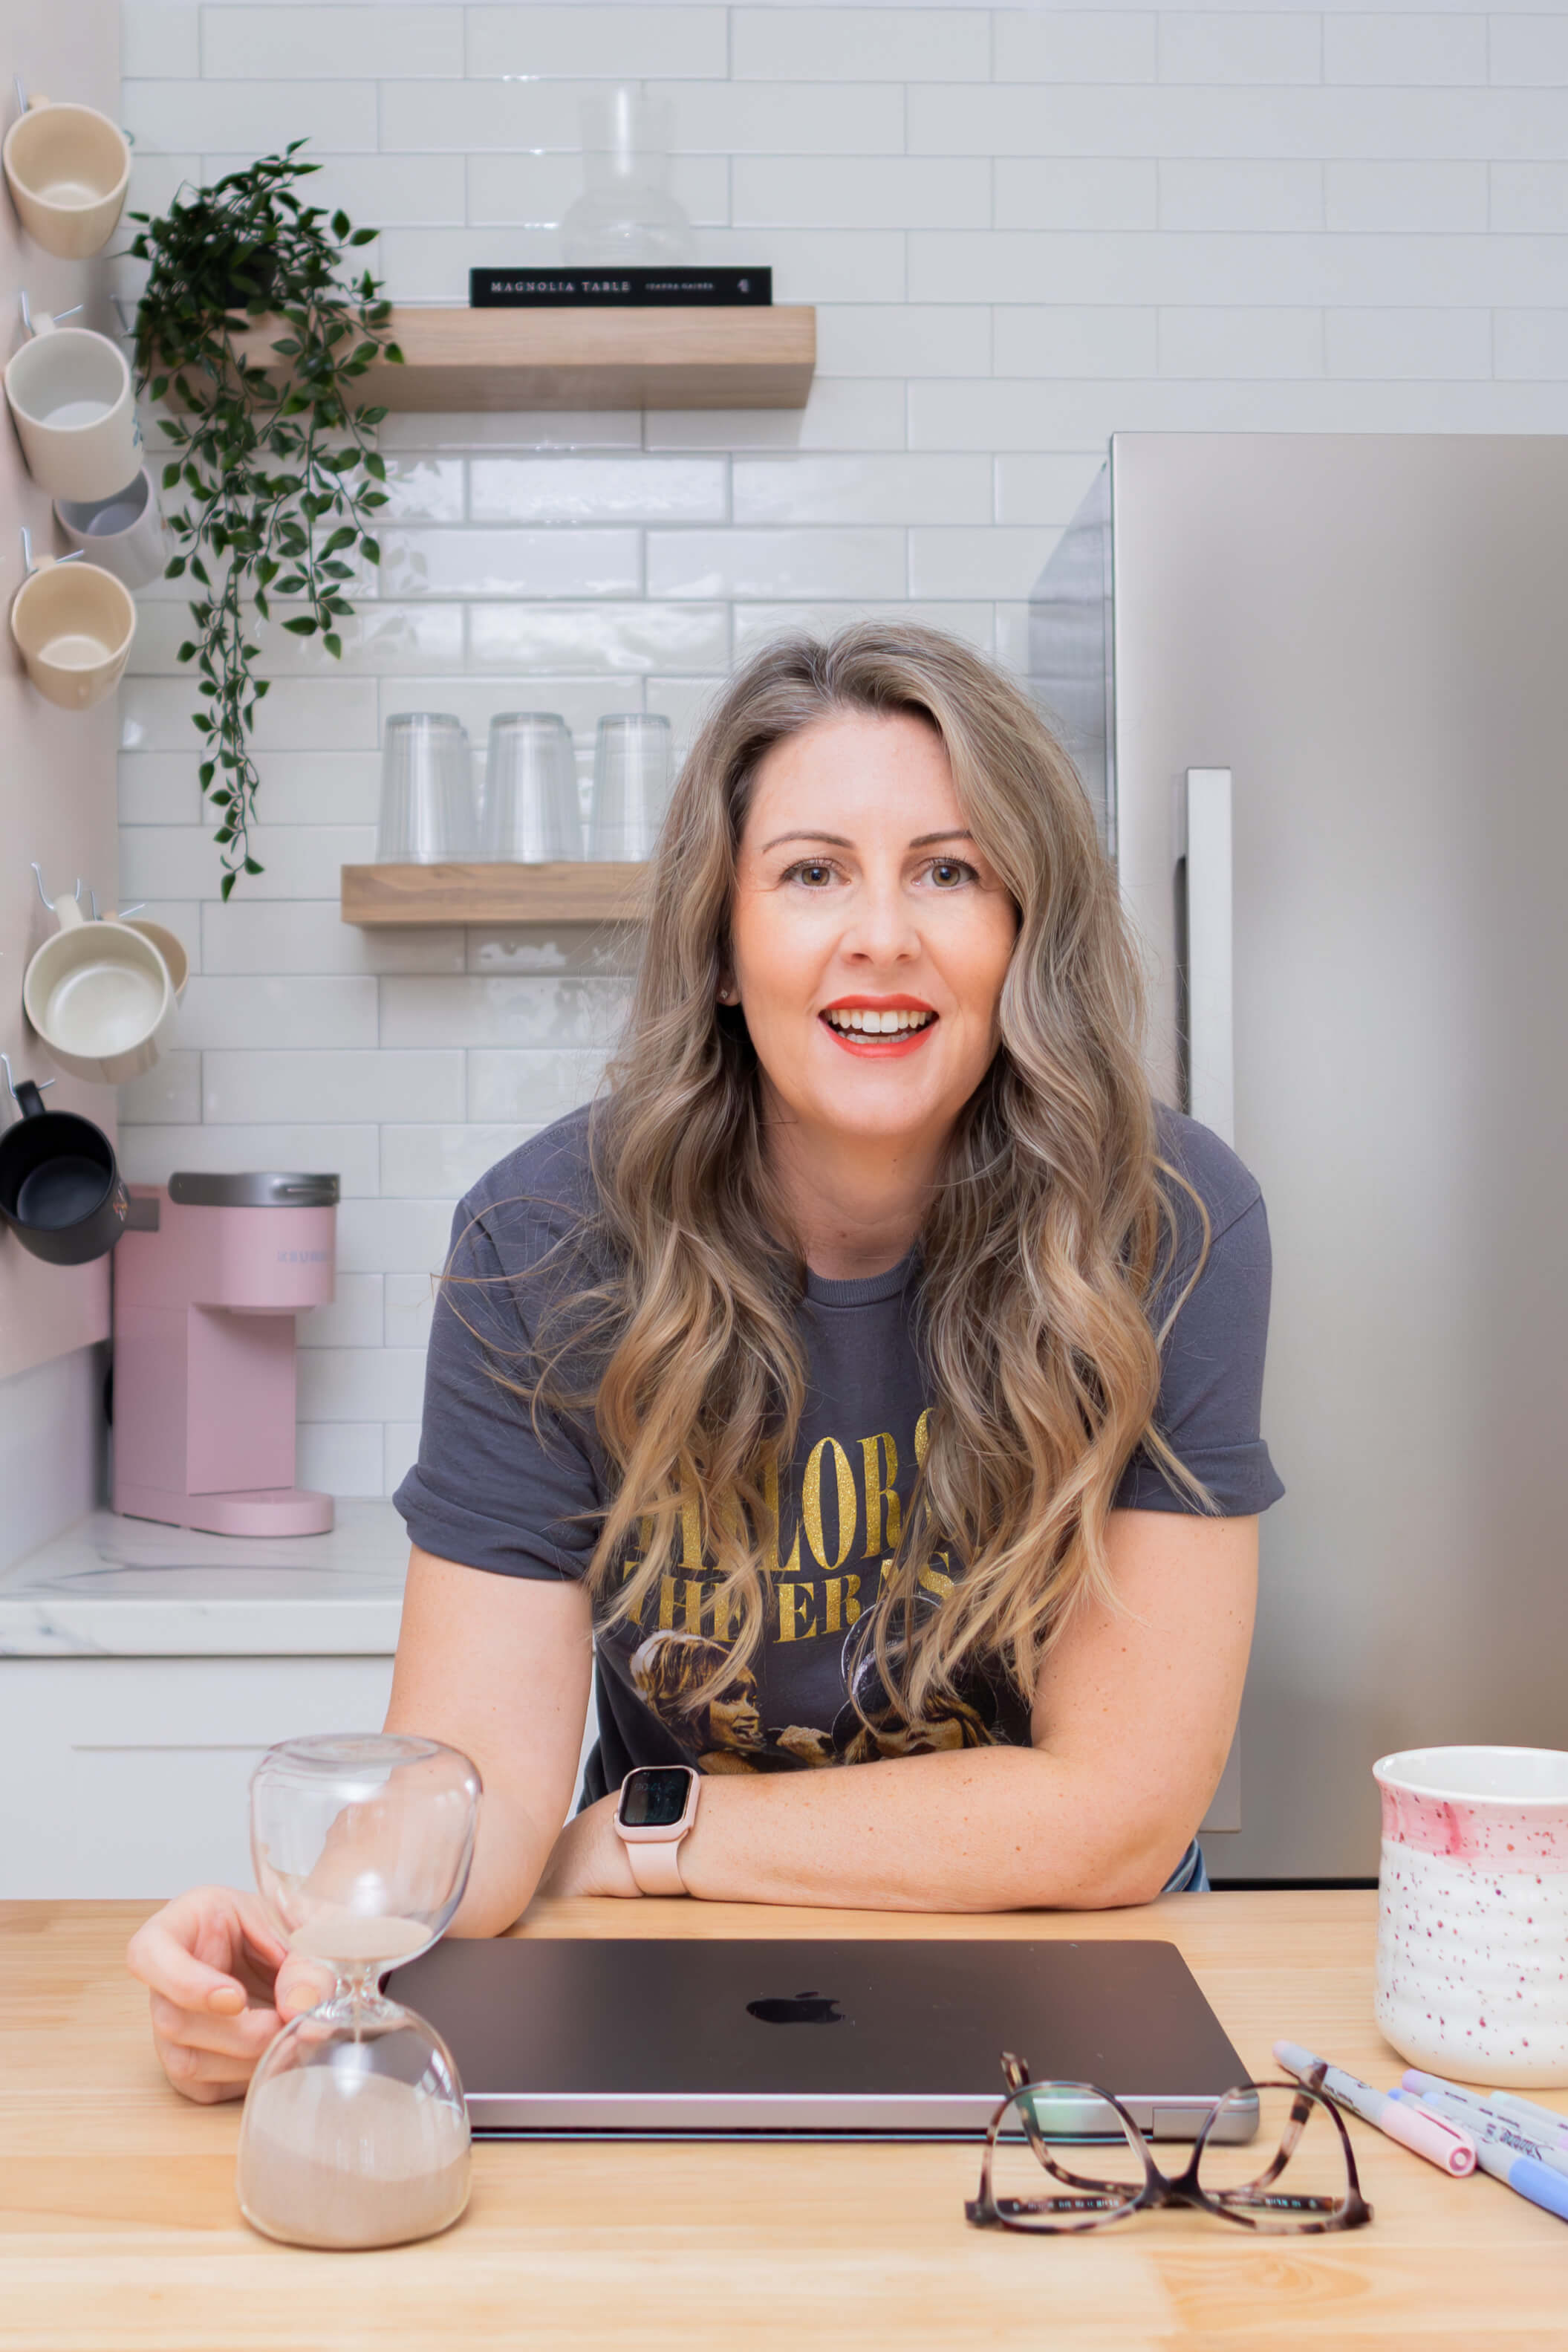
{"x":127,"y":1777}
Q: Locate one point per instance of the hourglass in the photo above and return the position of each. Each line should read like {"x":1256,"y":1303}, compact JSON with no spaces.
{"x":355,"y":2132}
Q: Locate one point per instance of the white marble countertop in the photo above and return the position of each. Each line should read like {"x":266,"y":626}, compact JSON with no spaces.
{"x":119,"y":1588}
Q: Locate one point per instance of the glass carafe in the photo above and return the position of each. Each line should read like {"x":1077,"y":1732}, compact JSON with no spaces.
{"x":625,"y":214}
{"x":355,"y":2131}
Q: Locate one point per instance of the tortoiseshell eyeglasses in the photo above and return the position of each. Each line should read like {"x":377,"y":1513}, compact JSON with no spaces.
{"x":1273,"y":2156}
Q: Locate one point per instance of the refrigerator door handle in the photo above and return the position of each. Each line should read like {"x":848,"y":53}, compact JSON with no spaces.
{"x":1210,"y":1043}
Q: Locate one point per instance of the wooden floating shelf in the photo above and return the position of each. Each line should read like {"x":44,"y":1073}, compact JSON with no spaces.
{"x":460,"y":359}
{"x":581,"y":891}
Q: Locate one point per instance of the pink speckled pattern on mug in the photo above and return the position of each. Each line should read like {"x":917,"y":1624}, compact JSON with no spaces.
{"x":1472,"y":1913}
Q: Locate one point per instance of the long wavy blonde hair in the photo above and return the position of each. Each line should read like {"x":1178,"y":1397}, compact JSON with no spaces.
{"x":1045,"y":1238}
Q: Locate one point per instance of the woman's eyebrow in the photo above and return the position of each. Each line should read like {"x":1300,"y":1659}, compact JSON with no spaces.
{"x":841,"y":841}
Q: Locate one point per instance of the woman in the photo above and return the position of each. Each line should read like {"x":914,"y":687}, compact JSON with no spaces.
{"x":876,"y":1334}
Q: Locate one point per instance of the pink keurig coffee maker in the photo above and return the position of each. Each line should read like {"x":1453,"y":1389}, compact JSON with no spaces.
{"x":203,"y":1350}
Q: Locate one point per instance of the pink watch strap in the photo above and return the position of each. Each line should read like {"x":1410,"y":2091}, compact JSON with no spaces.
{"x":655,"y":1865}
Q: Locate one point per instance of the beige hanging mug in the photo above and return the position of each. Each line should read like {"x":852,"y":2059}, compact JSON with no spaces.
{"x":75,"y":411}
{"x":100,"y":996}
{"x":73,"y":624}
{"x":68,"y":168}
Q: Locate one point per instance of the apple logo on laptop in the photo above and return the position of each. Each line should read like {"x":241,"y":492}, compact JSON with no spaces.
{"x":807,"y":2008}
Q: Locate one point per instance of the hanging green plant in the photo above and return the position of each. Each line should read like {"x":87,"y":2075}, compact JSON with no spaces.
{"x":281,"y":477}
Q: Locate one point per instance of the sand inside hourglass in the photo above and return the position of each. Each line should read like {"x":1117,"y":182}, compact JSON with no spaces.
{"x":353,"y":1939}
{"x":373,"y":2164}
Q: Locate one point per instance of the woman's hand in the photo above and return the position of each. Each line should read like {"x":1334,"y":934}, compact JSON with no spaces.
{"x":587,"y":1858}
{"x":221,"y":1984}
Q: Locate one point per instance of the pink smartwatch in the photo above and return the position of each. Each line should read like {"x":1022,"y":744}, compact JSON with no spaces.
{"x":657,"y":1806}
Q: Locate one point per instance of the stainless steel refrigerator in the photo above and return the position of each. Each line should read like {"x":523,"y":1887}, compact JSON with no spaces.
{"x":1318,"y":687}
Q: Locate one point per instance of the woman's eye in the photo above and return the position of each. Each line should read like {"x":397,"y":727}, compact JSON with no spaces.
{"x":949,"y":873}
{"x":814,"y":872}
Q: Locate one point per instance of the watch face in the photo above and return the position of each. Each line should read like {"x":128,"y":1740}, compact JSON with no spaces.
{"x":655,"y":1797}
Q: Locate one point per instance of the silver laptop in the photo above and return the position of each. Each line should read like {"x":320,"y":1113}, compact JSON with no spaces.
{"x":883,"y":2040}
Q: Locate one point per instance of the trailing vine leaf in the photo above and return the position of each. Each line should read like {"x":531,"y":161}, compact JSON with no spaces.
{"x":281,"y":479}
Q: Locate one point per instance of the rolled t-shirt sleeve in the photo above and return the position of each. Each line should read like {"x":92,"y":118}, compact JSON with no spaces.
{"x":491,"y":1489}
{"x":1211,"y":1382}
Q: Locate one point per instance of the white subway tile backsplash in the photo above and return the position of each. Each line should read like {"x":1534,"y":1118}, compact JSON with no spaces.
{"x":624,"y":638}
{"x":497,"y":1009}
{"x":837,"y":416}
{"x":1043,"y":490}
{"x":583,"y":39}
{"x":410,"y":1302}
{"x":356,"y":1318}
{"x":1081,"y":192}
{"x":861,"y":191}
{"x":876,"y":339}
{"x":757,"y":625}
{"x":1532,"y":345}
{"x":349,"y":1382}
{"x":255,"y":118}
{"x":271,"y":1086}
{"x":534,"y":190}
{"x":597,"y":489}
{"x":1418,"y":343}
{"x":1267,"y":45}
{"x":273,"y":1011}
{"x":340,"y":1457}
{"x":1087,"y":339}
{"x":529,"y":1089}
{"x":1403,"y":50}
{"x":169,"y":1094}
{"x":1529,"y":196}
{"x":511,"y":562}
{"x":861,"y":490}
{"x":393,"y":1236}
{"x":848,"y":43}
{"x":1071,"y":45}
{"x":150,"y":1155}
{"x":342,"y":44}
{"x":1248,"y":195}
{"x":1531,"y":50}
{"x":260,"y":935}
{"x":159,"y":39}
{"x":775,"y":563}
{"x":1023,"y":228}
{"x":1426,"y":197}
{"x":442,"y":1162}
{"x":1241,"y":344}
{"x":1004,"y":561}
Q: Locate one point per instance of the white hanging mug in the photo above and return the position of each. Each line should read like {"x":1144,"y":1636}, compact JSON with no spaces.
{"x":68,"y":168}
{"x":73,"y":624}
{"x":100,"y":996}
{"x":71,"y":397}
{"x":123,"y":534}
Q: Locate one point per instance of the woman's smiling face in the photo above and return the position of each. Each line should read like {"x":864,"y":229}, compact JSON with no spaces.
{"x":870,"y":935}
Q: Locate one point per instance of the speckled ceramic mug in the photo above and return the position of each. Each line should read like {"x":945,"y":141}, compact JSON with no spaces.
{"x":1472,"y":1913}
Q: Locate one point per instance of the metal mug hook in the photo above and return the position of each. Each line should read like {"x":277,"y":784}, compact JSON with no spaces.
{"x":21,"y":93}
{"x":38,"y":878}
{"x":10,"y":1081}
{"x":77,"y":555}
{"x":56,"y":315}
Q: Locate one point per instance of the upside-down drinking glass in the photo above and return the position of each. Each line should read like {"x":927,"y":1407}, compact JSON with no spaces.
{"x":529,"y":813}
{"x":427,"y":790}
{"x":632,"y":777}
{"x":1062,"y":2158}
{"x":355,"y":2131}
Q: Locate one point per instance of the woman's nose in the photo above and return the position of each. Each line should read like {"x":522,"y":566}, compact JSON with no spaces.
{"x":882,"y":926}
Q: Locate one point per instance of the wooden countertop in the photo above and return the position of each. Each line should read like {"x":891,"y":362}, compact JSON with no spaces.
{"x":119,"y":2228}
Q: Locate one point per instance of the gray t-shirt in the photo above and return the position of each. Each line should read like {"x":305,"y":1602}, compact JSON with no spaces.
{"x":492,"y":1491}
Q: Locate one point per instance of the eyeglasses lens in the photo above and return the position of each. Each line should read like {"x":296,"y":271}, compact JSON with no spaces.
{"x":1275,"y":2157}
{"x":1064,"y":2160}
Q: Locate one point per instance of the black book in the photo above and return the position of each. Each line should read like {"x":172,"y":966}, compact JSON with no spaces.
{"x":618,"y":289}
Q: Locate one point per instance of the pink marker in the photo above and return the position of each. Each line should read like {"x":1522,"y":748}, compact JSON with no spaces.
{"x":1440,"y":2142}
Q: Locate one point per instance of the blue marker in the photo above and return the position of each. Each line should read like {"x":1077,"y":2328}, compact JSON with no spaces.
{"x":1509,"y":2157}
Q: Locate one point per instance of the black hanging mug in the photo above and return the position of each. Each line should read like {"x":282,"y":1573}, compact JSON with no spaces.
{"x":60,"y":1192}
